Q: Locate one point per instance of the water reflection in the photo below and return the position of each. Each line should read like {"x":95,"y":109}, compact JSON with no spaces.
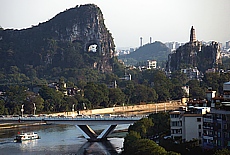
{"x":99,"y":148}
{"x":56,"y":139}
{"x":28,"y":145}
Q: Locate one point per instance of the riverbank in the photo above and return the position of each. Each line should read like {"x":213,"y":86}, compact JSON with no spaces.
{"x":129,"y":110}
{"x":17,"y":125}
{"x":124,"y":110}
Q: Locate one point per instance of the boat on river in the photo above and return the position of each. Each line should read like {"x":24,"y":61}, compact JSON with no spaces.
{"x":26,"y":136}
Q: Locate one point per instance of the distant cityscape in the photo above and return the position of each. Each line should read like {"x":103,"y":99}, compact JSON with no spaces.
{"x":225,"y":48}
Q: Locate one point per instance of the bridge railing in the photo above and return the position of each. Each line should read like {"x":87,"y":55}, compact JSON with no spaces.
{"x":70,"y":118}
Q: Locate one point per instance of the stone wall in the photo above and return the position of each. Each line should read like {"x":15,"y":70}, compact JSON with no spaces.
{"x":147,"y":107}
{"x":156,"y":107}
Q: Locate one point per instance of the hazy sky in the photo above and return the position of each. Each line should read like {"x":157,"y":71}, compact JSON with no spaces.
{"x":128,"y":20}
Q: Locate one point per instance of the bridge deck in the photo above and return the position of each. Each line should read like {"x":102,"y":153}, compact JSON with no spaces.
{"x":73,"y":120}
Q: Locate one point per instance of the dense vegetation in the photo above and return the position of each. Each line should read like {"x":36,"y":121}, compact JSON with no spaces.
{"x":192,"y":55}
{"x":93,"y":94}
{"x":53,"y":49}
{"x":142,"y":135}
{"x":138,"y":142}
{"x":148,"y":86}
{"x":154,"y":51}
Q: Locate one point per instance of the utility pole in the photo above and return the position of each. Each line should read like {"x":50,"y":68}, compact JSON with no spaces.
{"x":34,"y":108}
{"x":22,"y":109}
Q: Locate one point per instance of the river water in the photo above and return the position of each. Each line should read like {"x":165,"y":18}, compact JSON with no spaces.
{"x":58,"y":140}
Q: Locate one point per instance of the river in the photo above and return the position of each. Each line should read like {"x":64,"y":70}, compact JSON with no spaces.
{"x":59,"y":140}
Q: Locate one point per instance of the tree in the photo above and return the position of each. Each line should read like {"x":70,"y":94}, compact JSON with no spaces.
{"x":32,"y":99}
{"x":177,"y":92}
{"x":196,"y":91}
{"x":152,"y":95}
{"x":129,"y":88}
{"x":96,"y":94}
{"x":161,"y":123}
{"x":222,"y":152}
{"x":139,"y":94}
{"x":2,"y":107}
{"x":69,"y":102}
{"x":130,"y":139}
{"x":15,"y":97}
{"x":178,"y":78}
{"x":143,"y":127}
{"x":116,"y":97}
{"x":53,"y":99}
{"x":136,"y":145}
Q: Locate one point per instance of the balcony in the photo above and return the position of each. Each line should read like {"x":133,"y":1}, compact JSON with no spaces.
{"x":208,"y":120}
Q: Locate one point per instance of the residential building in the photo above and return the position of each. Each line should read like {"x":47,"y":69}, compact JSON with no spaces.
{"x":216,"y":126}
{"x":205,"y":120}
{"x":151,"y":64}
{"x":187,"y":125}
{"x":216,"y":129}
{"x":192,"y":127}
{"x":176,"y":124}
{"x":192,"y":73}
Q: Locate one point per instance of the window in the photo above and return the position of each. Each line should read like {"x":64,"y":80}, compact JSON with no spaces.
{"x":219,"y":134}
{"x":218,"y":125}
{"x":199,"y":134}
{"x":198,"y":119}
{"x":228,"y":143}
{"x":218,"y":142}
{"x":199,"y":126}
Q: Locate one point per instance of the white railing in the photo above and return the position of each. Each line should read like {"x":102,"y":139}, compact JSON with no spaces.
{"x":116,"y":118}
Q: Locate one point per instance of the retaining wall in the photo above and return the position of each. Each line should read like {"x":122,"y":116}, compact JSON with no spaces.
{"x":156,"y":107}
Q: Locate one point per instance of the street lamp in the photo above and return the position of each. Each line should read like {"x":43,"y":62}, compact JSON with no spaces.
{"x":73,"y":108}
{"x":83,"y":105}
{"x":34,"y":108}
{"x":22,"y":109}
{"x":156,"y":108}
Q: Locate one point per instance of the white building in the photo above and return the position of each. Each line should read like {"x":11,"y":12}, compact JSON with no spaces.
{"x":192,"y":127}
{"x":151,"y":64}
{"x":187,"y":125}
{"x":176,"y":124}
{"x":210,"y":94}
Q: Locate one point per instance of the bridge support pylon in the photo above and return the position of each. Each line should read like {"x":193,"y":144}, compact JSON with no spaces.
{"x":91,"y":135}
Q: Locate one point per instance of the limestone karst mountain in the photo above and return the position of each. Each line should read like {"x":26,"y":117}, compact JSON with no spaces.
{"x":75,"y":38}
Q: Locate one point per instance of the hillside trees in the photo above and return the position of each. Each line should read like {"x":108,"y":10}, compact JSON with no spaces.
{"x":196,"y":91}
{"x":161,"y":123}
{"x":116,"y":97}
{"x":147,"y":86}
{"x":96,"y":94}
{"x":137,"y":142}
{"x":53,"y":99}
{"x":15,"y":97}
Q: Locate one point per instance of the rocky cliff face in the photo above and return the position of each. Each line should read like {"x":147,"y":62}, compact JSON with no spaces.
{"x":194,"y":54}
{"x":83,"y":26}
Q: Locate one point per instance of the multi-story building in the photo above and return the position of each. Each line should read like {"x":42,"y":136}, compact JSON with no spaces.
{"x":209,"y":124}
{"x":192,"y":73}
{"x":176,"y":124}
{"x":151,"y":64}
{"x":187,"y":125}
{"x":216,"y":126}
{"x":192,"y":127}
{"x":216,"y":129}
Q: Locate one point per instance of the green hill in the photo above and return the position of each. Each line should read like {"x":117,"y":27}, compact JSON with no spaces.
{"x":154,"y":51}
{"x":58,"y":47}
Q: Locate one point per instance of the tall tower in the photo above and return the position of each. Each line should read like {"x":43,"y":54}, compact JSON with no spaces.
{"x":140,"y":41}
{"x":192,"y":35}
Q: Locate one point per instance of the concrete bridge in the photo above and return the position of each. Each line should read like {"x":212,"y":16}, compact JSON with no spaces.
{"x":81,"y":123}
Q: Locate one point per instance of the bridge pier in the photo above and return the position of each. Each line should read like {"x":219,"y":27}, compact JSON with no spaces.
{"x":90,"y":134}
